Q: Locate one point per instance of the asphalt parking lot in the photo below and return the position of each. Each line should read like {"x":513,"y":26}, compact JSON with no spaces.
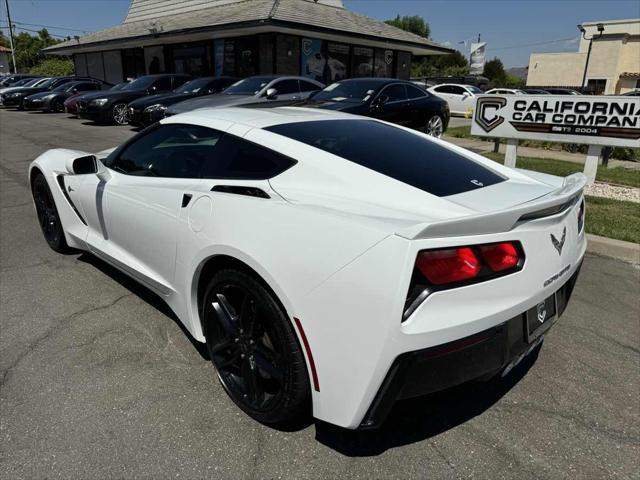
{"x":97,"y":379}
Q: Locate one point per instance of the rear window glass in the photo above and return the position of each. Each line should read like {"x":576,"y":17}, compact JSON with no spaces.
{"x":394,"y":152}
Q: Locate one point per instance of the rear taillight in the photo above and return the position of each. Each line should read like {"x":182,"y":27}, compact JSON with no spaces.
{"x":460,"y":264}
{"x":500,"y":256}
{"x":443,"y":268}
{"x":448,"y":265}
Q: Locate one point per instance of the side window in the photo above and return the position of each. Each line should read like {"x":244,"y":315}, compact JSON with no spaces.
{"x":457,"y":90}
{"x":287,"y":87}
{"x":308,"y":86}
{"x":443,"y":89}
{"x":85,"y":87}
{"x":177,"y":81}
{"x":162,"y":84}
{"x":415,"y":92}
{"x":172,"y":151}
{"x":395,"y":93}
{"x":242,"y":160}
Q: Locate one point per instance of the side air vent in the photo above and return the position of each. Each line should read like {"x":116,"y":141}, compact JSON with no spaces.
{"x":60,"y":179}
{"x":241,"y":190}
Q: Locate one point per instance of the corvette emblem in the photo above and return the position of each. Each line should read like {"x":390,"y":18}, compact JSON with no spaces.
{"x":559,"y":244}
{"x":542,"y":312}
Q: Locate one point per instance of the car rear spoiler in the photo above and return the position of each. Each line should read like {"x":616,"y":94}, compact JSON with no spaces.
{"x":556,"y":202}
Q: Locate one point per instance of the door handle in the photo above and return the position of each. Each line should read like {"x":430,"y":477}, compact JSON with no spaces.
{"x":186,"y":198}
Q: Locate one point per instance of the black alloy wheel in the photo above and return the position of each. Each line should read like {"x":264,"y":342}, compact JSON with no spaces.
{"x":56,"y":106}
{"x":120,"y":114}
{"x":252,"y":344}
{"x":48,"y":215}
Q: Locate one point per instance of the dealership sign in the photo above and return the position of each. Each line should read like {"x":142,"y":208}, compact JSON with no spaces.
{"x":592,"y":120}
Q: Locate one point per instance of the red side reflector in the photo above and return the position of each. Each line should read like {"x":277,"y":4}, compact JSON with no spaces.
{"x":500,"y":256}
{"x":448,"y":265}
{"x":307,"y":348}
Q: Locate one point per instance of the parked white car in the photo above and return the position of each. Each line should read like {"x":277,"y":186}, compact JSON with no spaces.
{"x":461,"y":98}
{"x":325,"y":259}
{"x":505,"y":91}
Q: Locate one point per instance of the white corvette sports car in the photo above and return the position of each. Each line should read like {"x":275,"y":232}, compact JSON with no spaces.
{"x":325,"y":257}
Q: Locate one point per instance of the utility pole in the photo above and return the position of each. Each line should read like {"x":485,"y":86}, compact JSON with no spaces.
{"x":13,"y":50}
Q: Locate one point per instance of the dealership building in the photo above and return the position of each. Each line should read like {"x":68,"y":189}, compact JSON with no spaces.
{"x":320,"y":39}
{"x":612,"y":65}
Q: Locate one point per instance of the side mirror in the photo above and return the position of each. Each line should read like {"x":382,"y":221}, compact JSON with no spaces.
{"x":380,"y":101}
{"x":466,"y":94}
{"x":82,"y":165}
{"x":272,"y":93}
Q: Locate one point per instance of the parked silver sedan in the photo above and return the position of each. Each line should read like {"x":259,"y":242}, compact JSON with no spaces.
{"x":279,"y":90}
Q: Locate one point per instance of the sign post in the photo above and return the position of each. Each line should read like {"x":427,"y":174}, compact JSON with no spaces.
{"x":597,"y":121}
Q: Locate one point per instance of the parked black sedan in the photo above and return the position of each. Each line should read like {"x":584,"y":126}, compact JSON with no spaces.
{"x":147,"y":110}
{"x":53,"y":101}
{"x":111,"y":107}
{"x":15,"y":97}
{"x":388,"y":99}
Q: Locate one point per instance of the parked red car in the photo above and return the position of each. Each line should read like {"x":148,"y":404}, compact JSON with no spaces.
{"x":71,"y":103}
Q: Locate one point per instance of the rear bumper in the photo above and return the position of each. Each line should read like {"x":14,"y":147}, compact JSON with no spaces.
{"x":444,"y":366}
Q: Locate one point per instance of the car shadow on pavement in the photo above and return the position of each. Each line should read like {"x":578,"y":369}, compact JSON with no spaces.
{"x":424,"y":417}
{"x":144,"y":294}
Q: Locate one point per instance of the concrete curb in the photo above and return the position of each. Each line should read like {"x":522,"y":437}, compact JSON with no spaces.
{"x":608,"y":247}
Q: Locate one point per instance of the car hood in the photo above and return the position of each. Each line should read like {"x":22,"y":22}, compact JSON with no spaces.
{"x":210,"y":101}
{"x":43,"y":94}
{"x":124,"y":96}
{"x":165,"y":99}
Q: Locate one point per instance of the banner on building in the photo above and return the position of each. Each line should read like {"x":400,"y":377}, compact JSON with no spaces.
{"x":312,"y":61}
{"x":478,"y":51}
{"x":592,"y":120}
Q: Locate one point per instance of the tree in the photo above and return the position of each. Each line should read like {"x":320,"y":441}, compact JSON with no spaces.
{"x":454,"y":64}
{"x":494,"y":71}
{"x":4,"y":40}
{"x":414,"y":24}
{"x":28,"y":48}
{"x":54,"y":67}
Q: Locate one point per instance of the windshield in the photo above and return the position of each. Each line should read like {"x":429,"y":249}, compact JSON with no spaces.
{"x":62,"y":87}
{"x":119,"y":86}
{"x":248,"y":86}
{"x":194,"y":86}
{"x":34,"y":82}
{"x":49,"y":82}
{"x":141,"y":83}
{"x":473,"y":89}
{"x":359,"y":91}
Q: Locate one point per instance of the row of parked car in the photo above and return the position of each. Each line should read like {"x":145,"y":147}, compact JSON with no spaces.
{"x":150,"y":98}
{"x":461,"y":98}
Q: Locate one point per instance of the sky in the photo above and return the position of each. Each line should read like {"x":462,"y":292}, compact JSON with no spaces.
{"x":513,"y":29}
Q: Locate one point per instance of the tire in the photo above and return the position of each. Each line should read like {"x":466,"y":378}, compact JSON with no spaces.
{"x":56,"y":106}
{"x":254,"y":348}
{"x":119,"y":114}
{"x":434,"y":126}
{"x":48,"y":217}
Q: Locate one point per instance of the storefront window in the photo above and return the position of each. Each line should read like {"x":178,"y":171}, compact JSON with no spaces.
{"x":383,"y":65}
{"x":229,"y":60}
{"x":288,"y":55}
{"x":133,"y":63}
{"x":191,"y":60}
{"x":247,"y":56}
{"x":362,"y":63}
{"x":337,"y":61}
